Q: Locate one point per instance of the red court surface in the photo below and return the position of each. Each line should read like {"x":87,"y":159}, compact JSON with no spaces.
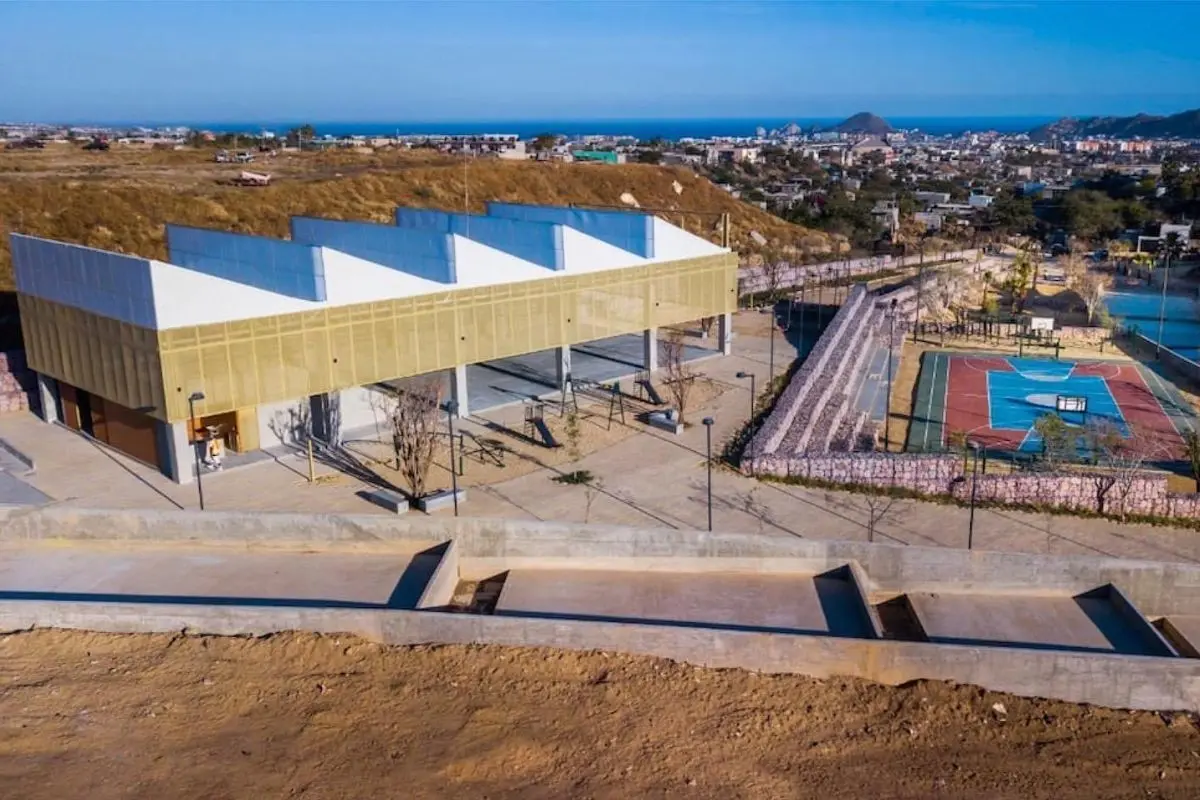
{"x":979,"y":401}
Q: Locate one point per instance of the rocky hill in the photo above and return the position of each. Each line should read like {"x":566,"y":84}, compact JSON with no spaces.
{"x":120,"y":200}
{"x":863,"y":122}
{"x":1185,"y":125}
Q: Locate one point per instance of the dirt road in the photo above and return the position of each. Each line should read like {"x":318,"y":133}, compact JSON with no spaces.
{"x":296,"y":715}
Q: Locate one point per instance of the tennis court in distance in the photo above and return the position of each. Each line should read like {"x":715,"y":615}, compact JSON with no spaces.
{"x":996,"y":399}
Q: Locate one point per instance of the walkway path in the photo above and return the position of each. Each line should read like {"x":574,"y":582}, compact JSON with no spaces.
{"x":648,"y":479}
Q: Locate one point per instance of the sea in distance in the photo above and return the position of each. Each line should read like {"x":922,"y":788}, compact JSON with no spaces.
{"x":642,"y":129}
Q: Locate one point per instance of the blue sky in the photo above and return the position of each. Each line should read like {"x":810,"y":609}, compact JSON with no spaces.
{"x":433,"y":61}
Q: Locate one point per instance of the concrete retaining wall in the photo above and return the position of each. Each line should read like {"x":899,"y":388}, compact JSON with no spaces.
{"x":1103,"y":679}
{"x":1108,"y":680}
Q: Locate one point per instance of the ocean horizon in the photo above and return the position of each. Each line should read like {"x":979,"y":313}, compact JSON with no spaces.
{"x":642,"y":129}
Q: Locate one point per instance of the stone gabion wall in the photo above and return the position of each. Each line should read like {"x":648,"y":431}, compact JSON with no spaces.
{"x":1076,"y":492}
{"x":928,"y":474}
{"x":17,"y":383}
{"x":943,"y":475}
{"x":779,"y":422}
{"x":756,"y":279}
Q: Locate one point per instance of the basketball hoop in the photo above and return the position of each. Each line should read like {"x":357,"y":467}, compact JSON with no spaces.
{"x":1066,"y":403}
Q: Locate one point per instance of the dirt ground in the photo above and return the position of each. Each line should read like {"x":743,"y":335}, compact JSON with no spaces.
{"x":298,"y":715}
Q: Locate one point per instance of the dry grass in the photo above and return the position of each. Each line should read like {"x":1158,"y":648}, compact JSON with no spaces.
{"x":121,"y":199}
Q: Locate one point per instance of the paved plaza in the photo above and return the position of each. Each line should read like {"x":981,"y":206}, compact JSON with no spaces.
{"x":646,"y":479}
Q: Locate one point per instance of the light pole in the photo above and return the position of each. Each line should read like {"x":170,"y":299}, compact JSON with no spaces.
{"x":771,"y":368}
{"x":974,"y":481}
{"x":887,"y":419}
{"x":753,"y":394}
{"x":194,"y":398}
{"x":1162,"y":305}
{"x":451,"y":410}
{"x":803,"y":303}
{"x":920,"y":289}
{"x":708,"y":423}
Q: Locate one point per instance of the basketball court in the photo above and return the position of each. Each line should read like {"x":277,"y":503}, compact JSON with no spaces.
{"x":996,"y":399}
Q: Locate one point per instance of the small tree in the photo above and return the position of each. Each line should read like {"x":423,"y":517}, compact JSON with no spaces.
{"x":879,"y":508}
{"x":679,"y":375}
{"x":544,"y":141}
{"x":1191,"y":442}
{"x":413,"y":414}
{"x":1058,"y":440}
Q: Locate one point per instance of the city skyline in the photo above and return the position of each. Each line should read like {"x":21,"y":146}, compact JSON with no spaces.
{"x":509,"y":61}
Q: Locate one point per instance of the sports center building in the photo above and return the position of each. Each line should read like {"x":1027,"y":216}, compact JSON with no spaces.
{"x":277,"y":333}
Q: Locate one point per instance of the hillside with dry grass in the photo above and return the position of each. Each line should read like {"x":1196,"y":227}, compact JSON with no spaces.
{"x":119,"y":200}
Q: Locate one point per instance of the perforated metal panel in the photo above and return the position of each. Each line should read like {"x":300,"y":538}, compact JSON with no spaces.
{"x":272,"y":359}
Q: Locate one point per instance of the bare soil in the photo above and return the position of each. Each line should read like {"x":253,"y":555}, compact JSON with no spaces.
{"x":298,"y":715}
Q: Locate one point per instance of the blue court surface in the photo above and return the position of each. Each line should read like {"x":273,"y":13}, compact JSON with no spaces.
{"x":1016,"y":399}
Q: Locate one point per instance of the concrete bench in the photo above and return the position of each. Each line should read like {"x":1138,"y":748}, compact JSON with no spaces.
{"x":443,"y":498}
{"x":667,"y":420}
{"x":386,"y":498}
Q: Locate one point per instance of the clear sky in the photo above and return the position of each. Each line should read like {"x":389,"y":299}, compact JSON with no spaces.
{"x":448,"y":60}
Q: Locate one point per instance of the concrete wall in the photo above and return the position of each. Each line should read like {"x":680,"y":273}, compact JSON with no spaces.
{"x":291,"y":421}
{"x":1107,"y":680}
{"x":490,"y":545}
{"x":110,"y":284}
{"x":288,"y":268}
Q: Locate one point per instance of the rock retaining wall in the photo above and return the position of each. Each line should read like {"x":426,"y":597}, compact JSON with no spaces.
{"x":942,"y":474}
{"x":758,"y":279}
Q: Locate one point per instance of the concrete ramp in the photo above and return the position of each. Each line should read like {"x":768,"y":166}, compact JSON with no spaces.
{"x":1098,"y":621}
{"x":829,"y":604}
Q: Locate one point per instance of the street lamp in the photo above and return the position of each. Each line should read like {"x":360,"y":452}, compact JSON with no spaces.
{"x":451,"y":411}
{"x":1162,"y":305}
{"x":771,"y":368}
{"x":753,"y":393}
{"x":803,"y":303}
{"x":887,"y":419}
{"x":974,"y":481}
{"x":708,"y":423}
{"x":194,"y":398}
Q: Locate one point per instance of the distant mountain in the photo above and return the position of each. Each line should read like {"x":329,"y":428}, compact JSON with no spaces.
{"x":863,"y":122}
{"x":1185,"y":125}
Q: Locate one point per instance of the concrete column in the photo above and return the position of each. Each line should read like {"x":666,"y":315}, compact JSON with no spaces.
{"x":176,"y":455}
{"x":725,"y":331}
{"x":650,"y":349}
{"x":562,"y":367}
{"x":458,"y":390}
{"x":48,"y":397}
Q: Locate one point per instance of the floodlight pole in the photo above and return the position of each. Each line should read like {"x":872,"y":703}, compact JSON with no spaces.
{"x":194,"y":398}
{"x":974,"y":482}
{"x":451,"y":411}
{"x":1162,"y":306}
{"x":708,"y":423}
{"x":753,"y":392}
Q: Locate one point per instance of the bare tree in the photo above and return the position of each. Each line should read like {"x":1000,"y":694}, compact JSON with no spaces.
{"x":1122,"y":463}
{"x":592,"y":489}
{"x":1092,"y":289}
{"x":773,"y":267}
{"x":878,"y":507}
{"x":679,"y":374}
{"x":413,"y":414}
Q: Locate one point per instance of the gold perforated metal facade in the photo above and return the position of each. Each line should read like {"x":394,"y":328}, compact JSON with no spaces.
{"x":112,"y":359}
{"x":272,"y":359}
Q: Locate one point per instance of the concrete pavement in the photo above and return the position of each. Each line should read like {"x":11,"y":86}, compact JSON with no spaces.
{"x":648,"y":479}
